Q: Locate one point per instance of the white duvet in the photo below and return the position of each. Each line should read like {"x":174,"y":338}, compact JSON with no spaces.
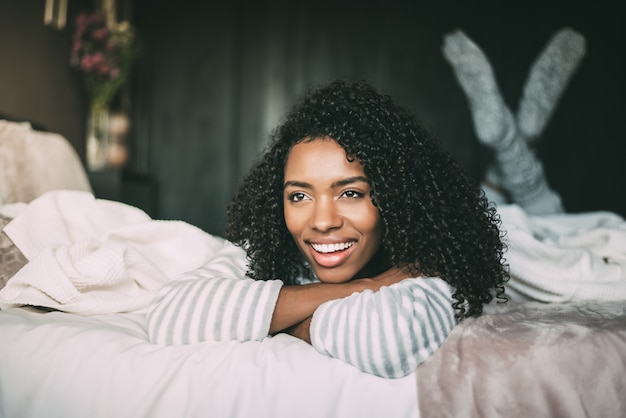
{"x":97,"y":361}
{"x":55,"y":364}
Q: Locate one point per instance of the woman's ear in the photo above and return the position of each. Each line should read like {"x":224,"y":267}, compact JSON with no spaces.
{"x":374,"y":198}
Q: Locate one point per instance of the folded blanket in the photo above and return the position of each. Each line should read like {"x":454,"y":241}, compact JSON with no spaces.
{"x":93,"y":256}
{"x":565,"y":257}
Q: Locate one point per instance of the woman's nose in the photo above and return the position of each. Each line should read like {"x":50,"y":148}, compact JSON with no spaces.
{"x":325,"y":216}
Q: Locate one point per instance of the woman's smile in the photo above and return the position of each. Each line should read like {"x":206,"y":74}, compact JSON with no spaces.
{"x":331,"y":248}
{"x":328,"y":210}
{"x":331,"y":255}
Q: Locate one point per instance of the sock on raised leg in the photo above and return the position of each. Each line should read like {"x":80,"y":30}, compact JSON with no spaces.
{"x":493,"y":122}
{"x":523,"y":177}
{"x":548,"y":77}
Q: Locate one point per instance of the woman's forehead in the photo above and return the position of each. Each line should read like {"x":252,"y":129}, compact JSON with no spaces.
{"x":320,"y":158}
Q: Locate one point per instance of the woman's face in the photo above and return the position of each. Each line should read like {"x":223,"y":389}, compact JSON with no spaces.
{"x":328,"y":210}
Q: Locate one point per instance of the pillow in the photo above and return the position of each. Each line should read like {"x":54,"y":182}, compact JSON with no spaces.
{"x":11,"y":258}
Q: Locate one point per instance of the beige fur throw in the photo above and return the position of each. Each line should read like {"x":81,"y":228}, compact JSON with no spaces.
{"x":33,"y":162}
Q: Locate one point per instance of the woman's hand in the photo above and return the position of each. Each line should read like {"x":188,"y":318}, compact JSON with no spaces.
{"x":386,"y":278}
{"x":296,"y":304}
{"x":301,"y":330}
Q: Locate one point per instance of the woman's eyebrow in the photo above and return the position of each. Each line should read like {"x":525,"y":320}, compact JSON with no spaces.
{"x":350,"y":180}
{"x":295,"y":183}
{"x":334,"y":185}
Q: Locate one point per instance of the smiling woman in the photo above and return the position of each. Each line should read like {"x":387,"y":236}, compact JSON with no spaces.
{"x":361,"y":237}
{"x":329,"y":212}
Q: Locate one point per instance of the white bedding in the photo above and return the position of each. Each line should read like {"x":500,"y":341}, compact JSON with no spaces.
{"x":55,"y":364}
{"x":97,"y":361}
{"x":565,"y":257}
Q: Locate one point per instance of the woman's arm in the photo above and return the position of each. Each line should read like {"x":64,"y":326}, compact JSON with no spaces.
{"x":211,"y":304}
{"x":218,"y":303}
{"x":200,"y":306}
{"x":389,"y":332}
{"x":296,"y":304}
{"x":215,"y":302}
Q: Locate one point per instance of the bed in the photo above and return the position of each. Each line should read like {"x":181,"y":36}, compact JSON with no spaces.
{"x":70,"y":349}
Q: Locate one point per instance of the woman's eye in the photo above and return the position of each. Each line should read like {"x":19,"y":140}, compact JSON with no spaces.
{"x":352,"y":194}
{"x":297,"y":197}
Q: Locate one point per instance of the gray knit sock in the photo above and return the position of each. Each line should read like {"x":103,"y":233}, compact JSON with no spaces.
{"x":493,"y":121}
{"x":548,"y":77}
{"x":521,"y":174}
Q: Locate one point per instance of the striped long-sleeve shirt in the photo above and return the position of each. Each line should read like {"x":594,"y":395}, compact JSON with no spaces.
{"x":389,"y":332}
{"x":386,"y":333}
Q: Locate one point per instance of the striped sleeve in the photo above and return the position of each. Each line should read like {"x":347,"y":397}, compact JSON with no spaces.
{"x":213,"y":303}
{"x":389,"y":332}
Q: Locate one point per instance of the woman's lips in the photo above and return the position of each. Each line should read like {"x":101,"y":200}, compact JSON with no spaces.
{"x":331,"y":255}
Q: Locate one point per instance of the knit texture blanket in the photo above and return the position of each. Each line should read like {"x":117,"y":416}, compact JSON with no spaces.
{"x":92,"y":256}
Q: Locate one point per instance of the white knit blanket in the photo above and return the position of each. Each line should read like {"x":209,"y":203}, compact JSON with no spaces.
{"x":93,"y":256}
{"x":565,"y":257}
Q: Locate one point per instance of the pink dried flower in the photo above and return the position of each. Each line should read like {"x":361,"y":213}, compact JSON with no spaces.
{"x":104,"y":55}
{"x":86,"y":64}
{"x":100,"y":34}
{"x":98,"y":58}
{"x":103,"y":69}
{"x":76,"y":47}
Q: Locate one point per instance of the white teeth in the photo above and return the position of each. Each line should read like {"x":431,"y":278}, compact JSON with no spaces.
{"x":331,"y":248}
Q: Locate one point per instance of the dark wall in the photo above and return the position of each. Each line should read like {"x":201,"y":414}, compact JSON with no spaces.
{"x":36,"y":81}
{"x":216,"y":78}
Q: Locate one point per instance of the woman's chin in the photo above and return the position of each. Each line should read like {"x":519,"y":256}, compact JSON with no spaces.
{"x":332,"y":277}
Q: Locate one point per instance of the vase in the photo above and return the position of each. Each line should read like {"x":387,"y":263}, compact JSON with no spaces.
{"x":97,"y":137}
{"x":119,"y":130}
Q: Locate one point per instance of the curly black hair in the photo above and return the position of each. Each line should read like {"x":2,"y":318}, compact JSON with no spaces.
{"x":437,"y":221}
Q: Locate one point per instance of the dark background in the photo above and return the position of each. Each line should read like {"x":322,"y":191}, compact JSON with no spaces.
{"x":215,"y":77}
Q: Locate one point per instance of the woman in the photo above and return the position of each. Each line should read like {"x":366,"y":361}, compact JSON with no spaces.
{"x":361,"y":236}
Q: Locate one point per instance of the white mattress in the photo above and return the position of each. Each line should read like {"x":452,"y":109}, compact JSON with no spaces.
{"x":64,"y":365}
